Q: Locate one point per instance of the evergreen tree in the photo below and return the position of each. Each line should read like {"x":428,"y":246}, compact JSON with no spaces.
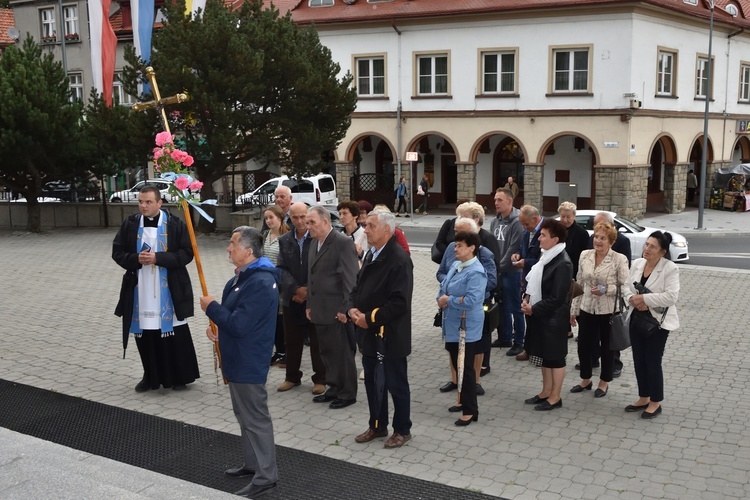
{"x":39,"y":124}
{"x":260,"y":87}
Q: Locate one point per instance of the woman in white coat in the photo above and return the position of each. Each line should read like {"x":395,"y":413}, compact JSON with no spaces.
{"x":661,"y":279}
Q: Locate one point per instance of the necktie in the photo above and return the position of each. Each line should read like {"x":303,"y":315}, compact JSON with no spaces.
{"x":368,"y":258}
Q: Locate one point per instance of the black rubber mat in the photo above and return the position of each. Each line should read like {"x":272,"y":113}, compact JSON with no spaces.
{"x":196,"y":454}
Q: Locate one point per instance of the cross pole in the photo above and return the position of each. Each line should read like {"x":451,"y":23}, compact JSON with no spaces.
{"x":159,"y":104}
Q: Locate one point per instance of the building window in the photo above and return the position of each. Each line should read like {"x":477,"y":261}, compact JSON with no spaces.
{"x":499,"y":72}
{"x":666,"y":72}
{"x":432,"y":74}
{"x":49,"y":29}
{"x":702,"y":85}
{"x":320,"y":3}
{"x":571,"y":70}
{"x":70,"y":18}
{"x":370,"y":76}
{"x":118,"y":93}
{"x":76,"y":87}
{"x":744,"y":82}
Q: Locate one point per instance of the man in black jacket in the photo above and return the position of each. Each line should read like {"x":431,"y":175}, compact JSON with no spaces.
{"x":293,"y":249}
{"x":156,"y":297}
{"x":380,"y":304}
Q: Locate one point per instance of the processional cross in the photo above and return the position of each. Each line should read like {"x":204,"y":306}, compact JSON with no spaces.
{"x":159,"y":103}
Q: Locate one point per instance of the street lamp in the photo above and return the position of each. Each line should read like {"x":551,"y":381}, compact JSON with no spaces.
{"x":704,"y":149}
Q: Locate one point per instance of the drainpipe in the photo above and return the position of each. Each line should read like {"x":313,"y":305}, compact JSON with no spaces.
{"x":398,"y":108}
{"x":726,"y":92}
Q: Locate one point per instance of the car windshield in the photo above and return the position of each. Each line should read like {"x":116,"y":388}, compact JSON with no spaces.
{"x":630,"y":225}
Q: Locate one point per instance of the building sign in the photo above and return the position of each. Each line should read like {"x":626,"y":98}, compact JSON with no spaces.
{"x":743,"y":126}
{"x":412,"y":156}
{"x":611,"y":144}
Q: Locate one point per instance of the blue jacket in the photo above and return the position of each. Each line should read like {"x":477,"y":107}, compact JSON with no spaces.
{"x":486,"y":257}
{"x":470,"y":284}
{"x":246,"y":319}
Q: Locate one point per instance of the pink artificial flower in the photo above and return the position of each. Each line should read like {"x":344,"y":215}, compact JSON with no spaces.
{"x":188,"y":160}
{"x":195,"y":185}
{"x":181,"y":183}
{"x":178,"y":155}
{"x":163,"y":138}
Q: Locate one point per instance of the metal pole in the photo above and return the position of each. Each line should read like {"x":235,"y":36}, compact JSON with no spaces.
{"x":704,"y":148}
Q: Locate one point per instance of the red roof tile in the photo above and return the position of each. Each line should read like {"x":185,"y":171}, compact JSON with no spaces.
{"x":6,"y":21}
{"x":362,"y":10}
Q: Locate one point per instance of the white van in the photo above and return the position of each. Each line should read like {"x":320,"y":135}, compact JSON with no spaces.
{"x":317,"y":190}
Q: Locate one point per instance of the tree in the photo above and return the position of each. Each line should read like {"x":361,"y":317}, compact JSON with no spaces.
{"x":261,"y":88}
{"x":39,"y":125}
{"x":115,"y":138}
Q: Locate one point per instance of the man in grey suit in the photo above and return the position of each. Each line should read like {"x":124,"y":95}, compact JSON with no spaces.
{"x":333,"y":268}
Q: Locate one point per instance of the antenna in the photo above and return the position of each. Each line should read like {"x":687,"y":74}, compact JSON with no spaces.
{"x":14,"y":33}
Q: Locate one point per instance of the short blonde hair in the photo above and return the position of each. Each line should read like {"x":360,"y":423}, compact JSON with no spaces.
{"x":567,"y":206}
{"x":471,"y":209}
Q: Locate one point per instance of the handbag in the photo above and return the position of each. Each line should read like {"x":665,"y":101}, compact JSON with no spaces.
{"x":438,"y":321}
{"x":619,"y":324}
{"x":491,"y":316}
{"x":575,"y":290}
{"x":435,"y":254}
{"x":644,"y":323}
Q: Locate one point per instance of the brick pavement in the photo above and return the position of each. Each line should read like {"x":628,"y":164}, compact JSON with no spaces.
{"x":58,"y":332}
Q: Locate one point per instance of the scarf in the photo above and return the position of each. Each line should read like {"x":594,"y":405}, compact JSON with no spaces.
{"x":460,"y":266}
{"x":167,"y":308}
{"x":534,"y":278}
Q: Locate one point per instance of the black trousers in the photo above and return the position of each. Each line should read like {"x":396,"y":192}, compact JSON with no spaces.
{"x":278,"y":342}
{"x":401,"y":203}
{"x":397,"y":384}
{"x":593,"y":335}
{"x":647,"y":356}
{"x":469,"y":385}
{"x":169,"y":360}
{"x":338,"y":359}
{"x":294,"y":339}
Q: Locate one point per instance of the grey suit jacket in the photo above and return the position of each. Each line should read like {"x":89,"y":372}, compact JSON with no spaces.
{"x":332,"y":274}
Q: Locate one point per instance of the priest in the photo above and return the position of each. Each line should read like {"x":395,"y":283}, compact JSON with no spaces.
{"x":156,"y":297}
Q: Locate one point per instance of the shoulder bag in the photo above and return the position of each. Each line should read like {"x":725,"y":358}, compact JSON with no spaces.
{"x":619,"y":324}
{"x":644,"y":323}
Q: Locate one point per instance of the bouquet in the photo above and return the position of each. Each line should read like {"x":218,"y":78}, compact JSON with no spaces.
{"x":170,"y":160}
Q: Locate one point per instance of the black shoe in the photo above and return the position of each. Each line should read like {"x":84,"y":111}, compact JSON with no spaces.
{"x":455,"y":409}
{"x":581,"y":388}
{"x":502,"y":343}
{"x":480,"y":390}
{"x":634,"y":408}
{"x":307,"y":341}
{"x":179,"y":387}
{"x":464,"y":423}
{"x":485,"y":371}
{"x":616,"y":373}
{"x":276,"y":358}
{"x":450,"y":386}
{"x":143,"y":386}
{"x":337,"y":404}
{"x":323,"y":398}
{"x":655,"y":413}
{"x":239,"y":472}
{"x":546,"y":406}
{"x":515,"y":350}
{"x":255,"y":490}
{"x":598,"y":393}
{"x":535,"y":400}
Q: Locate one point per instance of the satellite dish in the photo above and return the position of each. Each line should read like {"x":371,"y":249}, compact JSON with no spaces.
{"x":13,"y":33}
{"x":731,"y":10}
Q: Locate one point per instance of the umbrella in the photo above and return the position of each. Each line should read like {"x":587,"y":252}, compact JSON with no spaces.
{"x":461,"y":354}
{"x":379,"y":375}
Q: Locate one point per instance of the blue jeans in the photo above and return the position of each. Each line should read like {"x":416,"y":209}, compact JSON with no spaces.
{"x":513,"y":320}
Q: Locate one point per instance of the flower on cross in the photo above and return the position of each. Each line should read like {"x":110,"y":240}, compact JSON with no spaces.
{"x":168,"y":159}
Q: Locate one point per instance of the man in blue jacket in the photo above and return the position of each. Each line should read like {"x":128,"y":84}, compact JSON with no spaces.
{"x":246,"y":319}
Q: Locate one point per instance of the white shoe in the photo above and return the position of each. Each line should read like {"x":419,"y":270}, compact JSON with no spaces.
{"x":362,"y":375}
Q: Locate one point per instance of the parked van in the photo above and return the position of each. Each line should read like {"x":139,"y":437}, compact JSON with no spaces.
{"x":317,"y":190}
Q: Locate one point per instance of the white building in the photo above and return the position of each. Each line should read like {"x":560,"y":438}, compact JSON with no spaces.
{"x":607,"y":95}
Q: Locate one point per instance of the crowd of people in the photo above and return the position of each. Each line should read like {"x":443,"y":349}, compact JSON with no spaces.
{"x":299,"y":281}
